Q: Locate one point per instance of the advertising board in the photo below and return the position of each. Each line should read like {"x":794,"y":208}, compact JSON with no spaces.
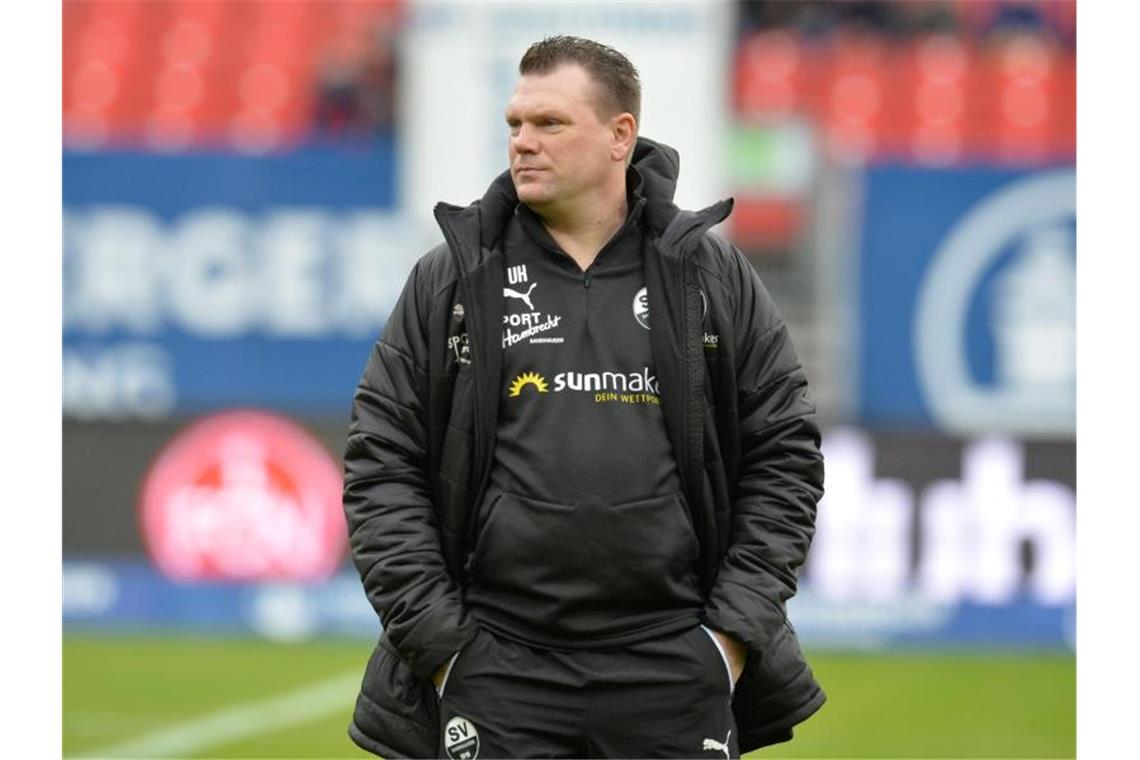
{"x":920,"y":540}
{"x":244,"y":496}
{"x":198,"y":282}
{"x":967,"y":305}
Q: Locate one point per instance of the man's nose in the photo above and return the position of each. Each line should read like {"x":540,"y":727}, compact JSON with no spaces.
{"x":525,"y":140}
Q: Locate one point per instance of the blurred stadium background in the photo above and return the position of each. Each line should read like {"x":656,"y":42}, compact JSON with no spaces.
{"x":246,"y":185}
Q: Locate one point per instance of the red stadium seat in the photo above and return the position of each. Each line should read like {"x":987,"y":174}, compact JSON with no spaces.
{"x":200,"y":73}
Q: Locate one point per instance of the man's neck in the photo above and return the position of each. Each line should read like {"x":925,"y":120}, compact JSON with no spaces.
{"x":583,"y":231}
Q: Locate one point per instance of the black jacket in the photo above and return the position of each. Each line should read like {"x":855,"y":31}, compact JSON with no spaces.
{"x":420,"y":447}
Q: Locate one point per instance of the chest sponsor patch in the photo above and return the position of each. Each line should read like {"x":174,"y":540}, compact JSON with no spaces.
{"x":605,"y":386}
{"x":523,"y":319}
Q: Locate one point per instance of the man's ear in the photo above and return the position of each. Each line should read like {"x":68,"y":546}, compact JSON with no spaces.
{"x":624,"y":130}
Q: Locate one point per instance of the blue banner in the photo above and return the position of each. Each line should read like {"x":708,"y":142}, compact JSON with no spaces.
{"x":132,"y":596}
{"x":967,"y":300}
{"x":202,"y":281}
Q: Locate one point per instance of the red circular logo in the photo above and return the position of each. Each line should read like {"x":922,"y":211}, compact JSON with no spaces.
{"x":244,"y":496}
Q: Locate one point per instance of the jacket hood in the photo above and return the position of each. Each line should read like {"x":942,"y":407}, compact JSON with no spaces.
{"x":659,"y":166}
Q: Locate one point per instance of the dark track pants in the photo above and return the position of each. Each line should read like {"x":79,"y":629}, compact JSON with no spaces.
{"x":668,"y":697}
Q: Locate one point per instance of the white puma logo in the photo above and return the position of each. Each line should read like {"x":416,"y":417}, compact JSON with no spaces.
{"x":524,"y":297}
{"x":714,"y":744}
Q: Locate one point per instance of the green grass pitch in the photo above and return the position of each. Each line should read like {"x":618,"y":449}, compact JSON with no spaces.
{"x":118,"y":689}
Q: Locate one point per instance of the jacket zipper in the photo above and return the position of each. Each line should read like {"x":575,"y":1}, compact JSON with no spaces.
{"x":485,"y":457}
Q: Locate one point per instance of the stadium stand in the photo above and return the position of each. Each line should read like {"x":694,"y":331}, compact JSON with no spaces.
{"x":936,"y":84}
{"x":981,"y":88}
{"x":228,"y":74}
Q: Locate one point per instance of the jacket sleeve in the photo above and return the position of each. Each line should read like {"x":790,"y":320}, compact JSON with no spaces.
{"x":393,"y":530}
{"x":780,"y":476}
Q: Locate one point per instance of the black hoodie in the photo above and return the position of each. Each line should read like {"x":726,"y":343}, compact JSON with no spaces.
{"x":583,"y":539}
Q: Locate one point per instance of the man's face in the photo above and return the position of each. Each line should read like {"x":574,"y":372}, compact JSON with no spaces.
{"x":558,"y":147}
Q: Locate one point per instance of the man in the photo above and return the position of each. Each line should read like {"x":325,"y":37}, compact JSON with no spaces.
{"x":583,"y":466}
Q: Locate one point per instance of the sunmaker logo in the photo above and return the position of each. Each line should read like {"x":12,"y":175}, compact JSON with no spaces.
{"x":525,"y":379}
{"x":622,"y":387}
{"x":636,"y":382}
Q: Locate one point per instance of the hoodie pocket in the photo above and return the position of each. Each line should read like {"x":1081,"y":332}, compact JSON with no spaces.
{"x":722,"y":657}
{"x":584,"y":564}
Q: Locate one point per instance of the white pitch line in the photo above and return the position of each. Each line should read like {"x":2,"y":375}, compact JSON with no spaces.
{"x":239,"y":721}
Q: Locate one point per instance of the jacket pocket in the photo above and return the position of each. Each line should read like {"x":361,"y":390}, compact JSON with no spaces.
{"x":782,"y":661}
{"x":584,"y":563}
{"x":396,"y":709}
{"x":776,"y":691}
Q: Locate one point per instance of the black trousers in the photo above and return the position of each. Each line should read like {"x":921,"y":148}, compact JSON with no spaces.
{"x":668,"y":697}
